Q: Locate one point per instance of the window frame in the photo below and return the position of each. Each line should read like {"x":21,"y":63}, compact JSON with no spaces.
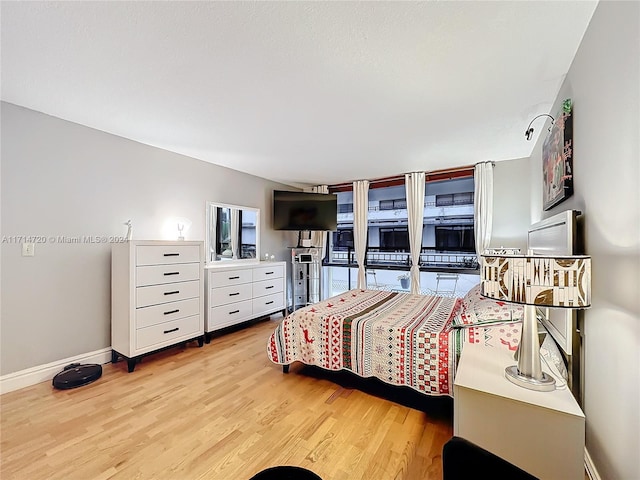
{"x":458,"y":199}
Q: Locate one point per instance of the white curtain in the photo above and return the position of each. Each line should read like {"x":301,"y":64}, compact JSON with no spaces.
{"x":483,"y":205}
{"x":414,"y":186}
{"x":235,"y":231}
{"x":319,"y":238}
{"x":360,"y":224}
{"x":213,"y":244}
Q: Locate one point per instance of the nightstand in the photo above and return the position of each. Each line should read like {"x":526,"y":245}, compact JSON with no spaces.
{"x":540,"y":432}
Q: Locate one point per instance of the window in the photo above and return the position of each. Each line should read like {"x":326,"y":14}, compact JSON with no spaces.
{"x":465,"y":198}
{"x":396,"y":204}
{"x":446,"y":200}
{"x":345,"y":207}
{"x":343,"y":239}
{"x":455,"y":238}
{"x":447,"y":234}
{"x":394,"y":239}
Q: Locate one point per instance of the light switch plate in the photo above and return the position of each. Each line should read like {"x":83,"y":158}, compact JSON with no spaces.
{"x":28,"y":249}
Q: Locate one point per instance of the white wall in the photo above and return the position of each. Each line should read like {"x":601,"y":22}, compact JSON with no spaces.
{"x":64,"y":179}
{"x":604,"y":84}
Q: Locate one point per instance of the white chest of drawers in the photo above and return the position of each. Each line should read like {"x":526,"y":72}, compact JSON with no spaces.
{"x":237,"y":293}
{"x":157,"y":297}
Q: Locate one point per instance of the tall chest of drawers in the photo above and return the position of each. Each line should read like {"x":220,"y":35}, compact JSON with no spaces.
{"x":157,"y":297}
{"x":237,"y":293}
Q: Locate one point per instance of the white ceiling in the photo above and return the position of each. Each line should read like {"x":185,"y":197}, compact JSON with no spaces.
{"x":299,"y":92}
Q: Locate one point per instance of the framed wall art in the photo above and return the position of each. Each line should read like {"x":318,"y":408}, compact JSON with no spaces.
{"x":557,"y":159}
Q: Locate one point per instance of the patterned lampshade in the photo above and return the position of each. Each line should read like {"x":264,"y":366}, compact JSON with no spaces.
{"x":502,"y":251}
{"x":546,"y":281}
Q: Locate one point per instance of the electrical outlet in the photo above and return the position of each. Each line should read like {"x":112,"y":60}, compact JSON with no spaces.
{"x":28,"y":249}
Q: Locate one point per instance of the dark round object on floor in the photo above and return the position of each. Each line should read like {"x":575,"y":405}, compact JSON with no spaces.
{"x":285,"y":473}
{"x":77,"y":375}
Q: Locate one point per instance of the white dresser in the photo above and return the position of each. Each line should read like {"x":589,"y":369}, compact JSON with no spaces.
{"x":156,"y":297}
{"x":237,"y":293}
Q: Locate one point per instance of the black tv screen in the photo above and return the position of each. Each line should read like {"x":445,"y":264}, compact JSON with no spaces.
{"x":304,"y":211}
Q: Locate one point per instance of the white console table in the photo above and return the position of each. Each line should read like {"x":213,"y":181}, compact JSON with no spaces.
{"x":540,"y":432}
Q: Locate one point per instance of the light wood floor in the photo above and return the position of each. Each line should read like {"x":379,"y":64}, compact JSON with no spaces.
{"x":221,"y":412}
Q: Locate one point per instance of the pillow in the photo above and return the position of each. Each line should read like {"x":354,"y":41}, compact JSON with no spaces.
{"x":551,"y":355}
{"x":478,"y":310}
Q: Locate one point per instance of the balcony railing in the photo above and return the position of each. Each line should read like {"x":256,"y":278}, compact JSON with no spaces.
{"x":401,"y":204}
{"x":429,"y":258}
{"x":432,"y":215}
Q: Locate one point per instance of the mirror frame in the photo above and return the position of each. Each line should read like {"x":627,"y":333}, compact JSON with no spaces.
{"x":211,"y":236}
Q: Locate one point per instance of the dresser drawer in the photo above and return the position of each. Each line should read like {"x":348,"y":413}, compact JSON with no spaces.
{"x":230,"y":277}
{"x":270,"y":303}
{"x":170,"y":292}
{"x":266,"y":273}
{"x":225,"y":315}
{"x":163,"y":254}
{"x":231,"y":294}
{"x":159,"y":274}
{"x":267,"y":287}
{"x":167,"y":332}
{"x":167,"y":312}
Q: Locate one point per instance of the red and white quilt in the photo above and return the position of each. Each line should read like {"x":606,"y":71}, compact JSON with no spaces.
{"x":398,"y":338}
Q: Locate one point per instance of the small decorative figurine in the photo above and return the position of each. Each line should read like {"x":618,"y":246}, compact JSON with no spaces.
{"x":129,"y":229}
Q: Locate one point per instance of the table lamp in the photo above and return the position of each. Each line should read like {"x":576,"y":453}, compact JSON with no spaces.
{"x":536,"y":281}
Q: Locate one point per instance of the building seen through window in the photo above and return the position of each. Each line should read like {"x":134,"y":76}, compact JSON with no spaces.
{"x":448,"y":243}
{"x":447,"y":223}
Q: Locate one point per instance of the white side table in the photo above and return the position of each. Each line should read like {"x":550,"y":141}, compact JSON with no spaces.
{"x":540,"y":432}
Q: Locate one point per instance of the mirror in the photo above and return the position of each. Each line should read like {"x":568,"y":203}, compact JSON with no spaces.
{"x":233,"y":233}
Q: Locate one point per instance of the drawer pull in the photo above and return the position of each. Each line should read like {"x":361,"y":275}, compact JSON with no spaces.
{"x":235,"y":311}
{"x":172,"y":311}
{"x":270,"y":286}
{"x":234,"y":294}
{"x":269,"y":303}
{"x":171,"y":254}
{"x":269,"y":273}
{"x":171,"y":273}
{"x":172,"y":293}
{"x":172,"y":330}
{"x":234,"y":278}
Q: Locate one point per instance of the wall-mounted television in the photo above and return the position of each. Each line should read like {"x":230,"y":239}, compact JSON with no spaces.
{"x":304,"y":211}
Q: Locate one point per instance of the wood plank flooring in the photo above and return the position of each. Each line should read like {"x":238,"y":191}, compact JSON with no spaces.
{"x":221,"y":412}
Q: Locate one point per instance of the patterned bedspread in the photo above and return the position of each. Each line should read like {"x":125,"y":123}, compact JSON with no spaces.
{"x":399,"y":338}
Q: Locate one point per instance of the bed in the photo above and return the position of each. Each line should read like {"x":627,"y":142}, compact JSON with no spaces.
{"x":416,"y":340}
{"x":399,"y":338}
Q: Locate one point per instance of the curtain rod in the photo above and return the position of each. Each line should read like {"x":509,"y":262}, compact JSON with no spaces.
{"x":398,"y":178}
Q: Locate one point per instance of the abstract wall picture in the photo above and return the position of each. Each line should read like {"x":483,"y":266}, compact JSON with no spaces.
{"x":557,"y":159}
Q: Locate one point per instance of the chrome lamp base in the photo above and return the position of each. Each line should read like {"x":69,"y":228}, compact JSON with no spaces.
{"x":546,"y":383}
{"x":528,"y":373}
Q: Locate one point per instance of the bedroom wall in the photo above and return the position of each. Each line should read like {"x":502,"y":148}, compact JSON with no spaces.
{"x":603,"y":83}
{"x":63,"y":179}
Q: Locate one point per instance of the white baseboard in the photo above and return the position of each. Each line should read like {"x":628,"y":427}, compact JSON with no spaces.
{"x":42,"y":373}
{"x":589,"y":466}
